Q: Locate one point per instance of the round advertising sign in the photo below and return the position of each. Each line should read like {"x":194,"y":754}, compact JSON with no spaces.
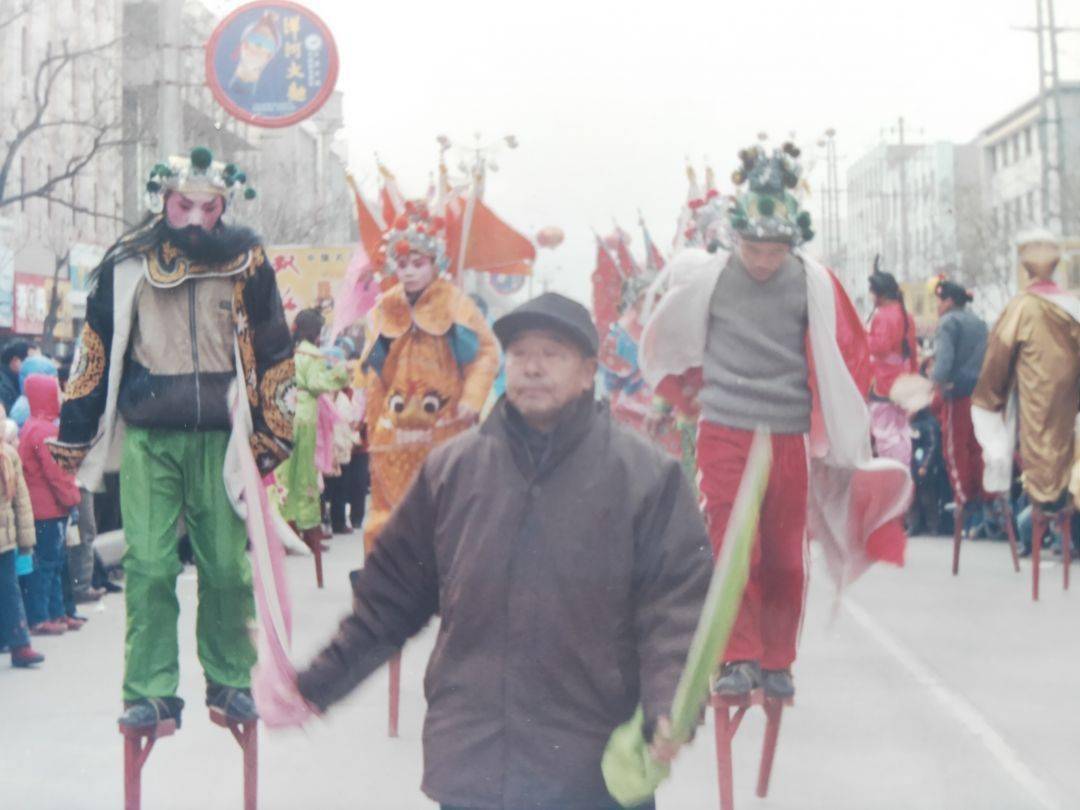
{"x":271,"y":63}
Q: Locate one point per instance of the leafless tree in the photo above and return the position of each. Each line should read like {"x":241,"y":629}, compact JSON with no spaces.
{"x":38,"y":122}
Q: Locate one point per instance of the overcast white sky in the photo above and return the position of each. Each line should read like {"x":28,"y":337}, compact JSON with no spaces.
{"x":608,"y":98}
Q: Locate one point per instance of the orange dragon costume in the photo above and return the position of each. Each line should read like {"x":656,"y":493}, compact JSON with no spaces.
{"x":428,"y":366}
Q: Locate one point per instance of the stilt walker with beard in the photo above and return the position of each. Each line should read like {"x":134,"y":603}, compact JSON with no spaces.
{"x":180,"y":308}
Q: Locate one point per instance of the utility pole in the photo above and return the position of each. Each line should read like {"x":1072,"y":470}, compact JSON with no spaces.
{"x":904,"y":254}
{"x":1059,"y":122}
{"x":1050,"y":87}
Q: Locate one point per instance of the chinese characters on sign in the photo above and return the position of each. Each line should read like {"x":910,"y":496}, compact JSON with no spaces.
{"x":271,"y":64}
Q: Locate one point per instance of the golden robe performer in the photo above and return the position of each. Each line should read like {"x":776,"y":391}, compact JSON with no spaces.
{"x":429,"y":361}
{"x":1029,"y":388}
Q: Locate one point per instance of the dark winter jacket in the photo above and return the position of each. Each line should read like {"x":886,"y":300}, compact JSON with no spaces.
{"x":569,"y":579}
{"x":53,"y":492}
{"x":181,"y":324}
{"x":959,"y":346}
{"x":9,"y":388}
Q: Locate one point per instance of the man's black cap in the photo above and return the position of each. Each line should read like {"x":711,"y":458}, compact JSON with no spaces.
{"x":550,"y":311}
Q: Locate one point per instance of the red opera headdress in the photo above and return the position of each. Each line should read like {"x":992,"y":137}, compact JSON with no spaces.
{"x":414,"y":231}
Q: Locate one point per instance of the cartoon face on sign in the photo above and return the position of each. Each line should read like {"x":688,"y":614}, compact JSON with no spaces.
{"x":258,"y":45}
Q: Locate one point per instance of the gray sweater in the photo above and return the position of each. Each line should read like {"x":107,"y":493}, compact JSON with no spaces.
{"x":755,"y":367}
{"x":959,"y":346}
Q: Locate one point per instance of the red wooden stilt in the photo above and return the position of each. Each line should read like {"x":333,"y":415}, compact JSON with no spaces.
{"x":247,"y":737}
{"x":313,"y":539}
{"x":773,"y":711}
{"x":1066,"y":545}
{"x":1038,"y":531}
{"x":316,"y":549}
{"x":395,"y":692}
{"x":1010,"y":532}
{"x":723,"y":756}
{"x":957,"y":535}
{"x":729,"y":713}
{"x":138,"y":743}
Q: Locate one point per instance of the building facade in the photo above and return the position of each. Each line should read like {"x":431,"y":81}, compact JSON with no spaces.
{"x":57,"y":232}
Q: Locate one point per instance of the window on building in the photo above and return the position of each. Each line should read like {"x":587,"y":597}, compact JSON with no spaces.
{"x":1031,"y":206}
{"x":1003,"y":148}
{"x":1016,"y":147}
{"x":1027,"y":141}
{"x":993,"y":159}
{"x":1018,"y":211}
{"x":1006,"y":219}
{"x":25,"y":48}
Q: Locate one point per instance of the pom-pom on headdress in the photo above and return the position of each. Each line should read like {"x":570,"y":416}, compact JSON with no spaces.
{"x":414,"y":231}
{"x":766,"y":209}
{"x":198,"y":173}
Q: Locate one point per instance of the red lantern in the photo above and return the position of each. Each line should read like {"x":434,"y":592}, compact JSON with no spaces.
{"x":550,"y":237}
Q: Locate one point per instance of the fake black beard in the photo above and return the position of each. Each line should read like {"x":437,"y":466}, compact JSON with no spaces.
{"x":200,"y":245}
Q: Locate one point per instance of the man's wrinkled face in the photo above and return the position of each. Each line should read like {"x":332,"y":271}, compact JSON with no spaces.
{"x":193,"y":210}
{"x":416,"y":272}
{"x":763,"y":259}
{"x":544,"y":373}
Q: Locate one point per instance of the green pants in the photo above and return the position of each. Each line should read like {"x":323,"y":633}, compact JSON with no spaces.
{"x":166,"y":474}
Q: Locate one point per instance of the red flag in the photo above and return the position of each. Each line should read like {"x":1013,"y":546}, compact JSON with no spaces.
{"x":371,"y":224}
{"x":393,"y":203}
{"x":654,"y":260}
{"x":493,"y":246}
{"x":607,"y":289}
{"x":627,"y":264}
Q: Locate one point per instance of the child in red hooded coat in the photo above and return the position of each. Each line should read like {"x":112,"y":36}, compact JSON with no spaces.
{"x":53,"y":494}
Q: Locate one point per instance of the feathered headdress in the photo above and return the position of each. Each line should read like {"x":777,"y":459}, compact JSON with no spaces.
{"x":414,"y":231}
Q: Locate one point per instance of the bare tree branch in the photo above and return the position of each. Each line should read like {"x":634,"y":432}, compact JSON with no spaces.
{"x":13,"y":16}
{"x":45,"y":78}
{"x":71,"y":205}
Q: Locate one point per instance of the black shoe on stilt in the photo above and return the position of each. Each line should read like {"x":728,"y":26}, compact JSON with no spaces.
{"x":231,"y":702}
{"x":738,"y":679}
{"x":778,"y":683}
{"x":148,"y":712}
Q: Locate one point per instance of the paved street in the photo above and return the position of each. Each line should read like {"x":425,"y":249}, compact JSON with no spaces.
{"x":922,"y":691}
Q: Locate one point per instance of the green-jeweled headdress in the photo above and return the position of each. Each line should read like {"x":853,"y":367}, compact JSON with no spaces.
{"x":766,"y":209}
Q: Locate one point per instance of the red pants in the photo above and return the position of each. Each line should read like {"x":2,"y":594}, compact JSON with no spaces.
{"x":767,"y":627}
{"x":963,"y":455}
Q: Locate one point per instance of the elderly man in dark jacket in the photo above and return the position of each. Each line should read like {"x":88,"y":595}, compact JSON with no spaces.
{"x":568,"y":563}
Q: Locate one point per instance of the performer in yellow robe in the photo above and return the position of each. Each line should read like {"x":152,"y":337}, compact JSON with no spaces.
{"x":429,"y":362}
{"x":1029,"y":387}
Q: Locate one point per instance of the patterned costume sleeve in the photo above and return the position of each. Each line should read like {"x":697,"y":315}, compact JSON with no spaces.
{"x":995,"y":380}
{"x":479,"y":374}
{"x":266,"y":353}
{"x":84,"y":396}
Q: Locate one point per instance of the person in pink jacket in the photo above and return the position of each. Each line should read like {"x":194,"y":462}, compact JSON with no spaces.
{"x":53,"y":494}
{"x":893,"y":352}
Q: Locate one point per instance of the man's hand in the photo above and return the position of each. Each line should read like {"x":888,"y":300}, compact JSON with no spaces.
{"x":663,"y":747}
{"x":657,"y":423}
{"x":467,"y":414}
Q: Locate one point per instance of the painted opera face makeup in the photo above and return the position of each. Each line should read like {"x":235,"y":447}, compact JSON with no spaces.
{"x":416,"y":272}
{"x":202,"y":210}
